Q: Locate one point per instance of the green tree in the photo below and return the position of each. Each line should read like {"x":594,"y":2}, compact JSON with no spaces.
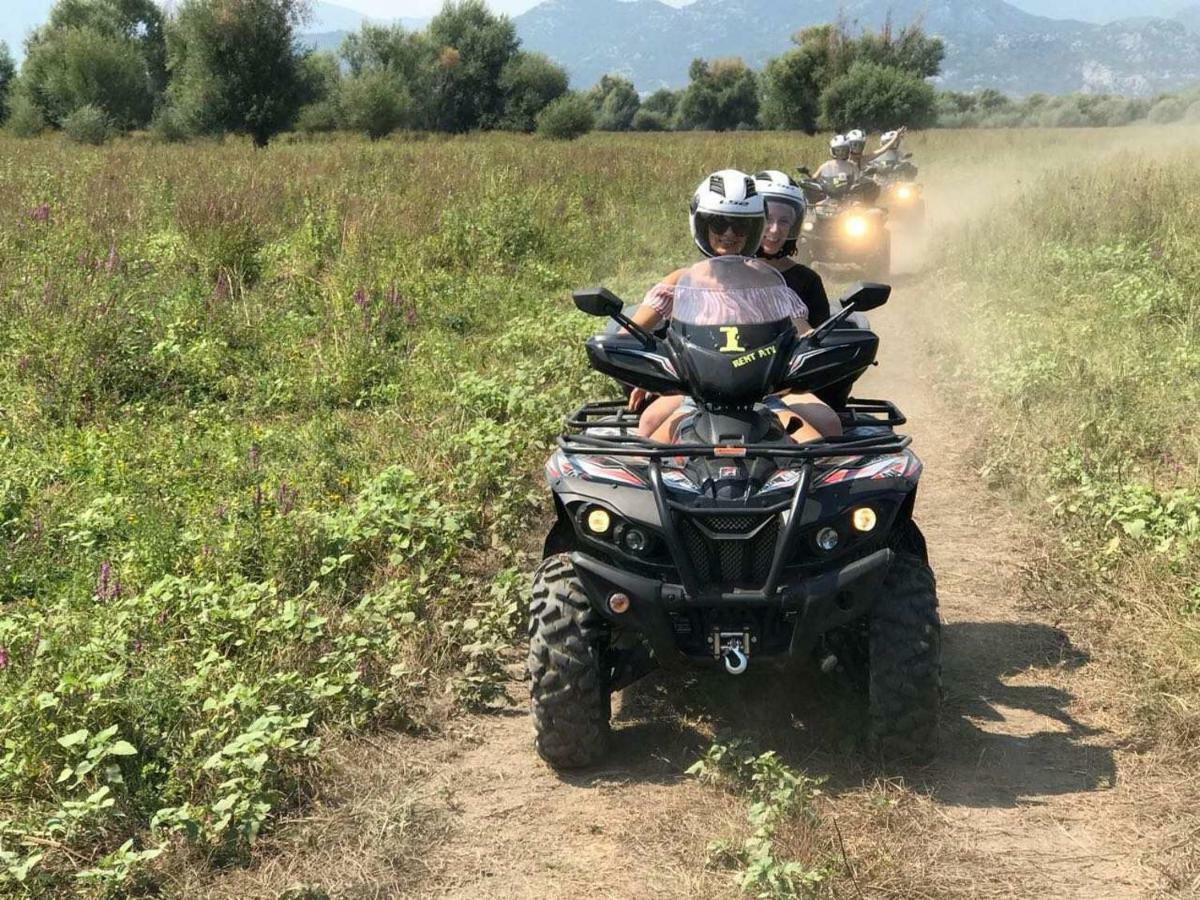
{"x":473,"y":46}
{"x":616,"y":101}
{"x":104,"y":53}
{"x":390,"y":57}
{"x":568,"y":117}
{"x":375,"y":103}
{"x":791,"y":90}
{"x":236,"y":66}
{"x":8,"y":72}
{"x":720,"y":95}
{"x":878,"y":97}
{"x":530,"y":82}
{"x":664,"y":101}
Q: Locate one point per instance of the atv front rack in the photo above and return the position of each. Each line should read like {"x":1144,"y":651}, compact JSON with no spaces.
{"x":609,"y":428}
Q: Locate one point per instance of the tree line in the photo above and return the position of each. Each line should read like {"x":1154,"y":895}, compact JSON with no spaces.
{"x":217,"y":66}
{"x":238,"y":66}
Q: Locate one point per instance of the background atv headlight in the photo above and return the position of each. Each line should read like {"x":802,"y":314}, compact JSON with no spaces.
{"x":807,"y":226}
{"x":904,"y":192}
{"x":857,"y":226}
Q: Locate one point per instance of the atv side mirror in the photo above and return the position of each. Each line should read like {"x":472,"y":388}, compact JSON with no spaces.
{"x":907,"y":156}
{"x":597,"y":302}
{"x":866,"y":295}
{"x":803,"y":170}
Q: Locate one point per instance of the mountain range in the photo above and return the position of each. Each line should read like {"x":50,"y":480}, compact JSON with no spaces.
{"x":989,"y":43}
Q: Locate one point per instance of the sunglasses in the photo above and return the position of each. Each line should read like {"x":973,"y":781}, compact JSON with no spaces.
{"x":724,"y":224}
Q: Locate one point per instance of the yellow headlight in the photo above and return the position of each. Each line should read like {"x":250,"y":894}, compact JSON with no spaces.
{"x":904,"y":192}
{"x":864,"y":519}
{"x":598,"y":521}
{"x":856,"y":226}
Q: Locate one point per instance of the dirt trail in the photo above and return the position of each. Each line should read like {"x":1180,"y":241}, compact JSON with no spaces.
{"x":1037,"y":792}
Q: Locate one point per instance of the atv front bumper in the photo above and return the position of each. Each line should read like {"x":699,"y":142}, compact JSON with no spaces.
{"x":815,"y":604}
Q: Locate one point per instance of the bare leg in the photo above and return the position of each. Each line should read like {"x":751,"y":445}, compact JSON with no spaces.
{"x":654,"y":415}
{"x":797,"y":428}
{"x":817,"y":414}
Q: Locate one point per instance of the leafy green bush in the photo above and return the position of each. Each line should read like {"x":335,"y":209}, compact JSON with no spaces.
{"x":88,"y":125}
{"x":567,"y":118}
{"x":25,"y":118}
{"x":375,"y":103}
{"x":170,"y":125}
{"x":877,"y":97}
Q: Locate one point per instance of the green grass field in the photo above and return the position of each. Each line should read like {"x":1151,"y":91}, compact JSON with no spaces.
{"x":271,"y":425}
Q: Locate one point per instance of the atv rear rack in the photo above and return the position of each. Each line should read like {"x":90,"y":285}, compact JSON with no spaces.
{"x":608,"y":428}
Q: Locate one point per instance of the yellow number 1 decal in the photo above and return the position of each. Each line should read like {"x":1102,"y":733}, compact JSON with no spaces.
{"x":731,"y":340}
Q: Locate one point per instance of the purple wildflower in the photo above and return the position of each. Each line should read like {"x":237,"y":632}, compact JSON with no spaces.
{"x":285,"y":498}
{"x":221,"y":289}
{"x":40,"y":213}
{"x":258,"y":496}
{"x":361,"y":300}
{"x":220,"y":512}
{"x":108,"y":586}
{"x":3,"y":657}
{"x":137,"y":645}
{"x":254,"y":456}
{"x":162,"y":617}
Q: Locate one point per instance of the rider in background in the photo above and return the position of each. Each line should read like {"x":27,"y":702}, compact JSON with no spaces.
{"x":888,"y":150}
{"x":840,"y":167}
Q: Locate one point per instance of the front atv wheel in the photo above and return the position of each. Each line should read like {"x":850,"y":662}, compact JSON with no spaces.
{"x":569,"y":685}
{"x":905,"y":649}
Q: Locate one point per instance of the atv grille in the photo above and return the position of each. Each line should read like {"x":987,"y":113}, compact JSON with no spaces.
{"x":731,"y":551}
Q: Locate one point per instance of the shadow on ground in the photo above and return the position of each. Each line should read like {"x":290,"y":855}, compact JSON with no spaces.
{"x":1008,"y":735}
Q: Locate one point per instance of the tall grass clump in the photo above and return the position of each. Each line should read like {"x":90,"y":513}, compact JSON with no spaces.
{"x":1083,"y":318}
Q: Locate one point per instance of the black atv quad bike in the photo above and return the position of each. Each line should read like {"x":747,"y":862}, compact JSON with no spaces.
{"x":734,"y":546}
{"x":900,"y":193}
{"x":845,"y":227}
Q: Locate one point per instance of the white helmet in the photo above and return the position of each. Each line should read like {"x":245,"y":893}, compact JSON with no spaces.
{"x":728,"y":199}
{"x":858,"y":140}
{"x":887,"y":136}
{"x":777,"y":189}
{"x":839,"y":146}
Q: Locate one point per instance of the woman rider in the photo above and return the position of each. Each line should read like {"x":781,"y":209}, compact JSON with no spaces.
{"x":786,"y":209}
{"x":785,"y":214}
{"x":727,"y":219}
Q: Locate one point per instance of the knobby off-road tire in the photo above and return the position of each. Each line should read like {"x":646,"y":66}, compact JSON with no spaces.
{"x":905,"y":641}
{"x":569,"y":689}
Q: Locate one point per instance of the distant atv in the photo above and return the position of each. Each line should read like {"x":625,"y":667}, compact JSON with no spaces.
{"x":733,"y":546}
{"x":844,"y":227}
{"x":900,"y":193}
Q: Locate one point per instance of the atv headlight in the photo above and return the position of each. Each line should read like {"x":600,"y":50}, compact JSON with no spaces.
{"x":904,"y":192}
{"x":598,"y":520}
{"x":807,"y":226}
{"x":864,"y":519}
{"x":857,"y":226}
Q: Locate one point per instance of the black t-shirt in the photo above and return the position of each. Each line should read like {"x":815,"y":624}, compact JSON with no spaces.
{"x":808,"y":285}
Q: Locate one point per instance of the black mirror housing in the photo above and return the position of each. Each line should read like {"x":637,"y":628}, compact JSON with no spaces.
{"x":598,"y":301}
{"x":803,"y":170}
{"x":866,"y":295}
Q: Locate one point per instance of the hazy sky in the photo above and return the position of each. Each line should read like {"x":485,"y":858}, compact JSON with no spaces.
{"x":1082,"y":9}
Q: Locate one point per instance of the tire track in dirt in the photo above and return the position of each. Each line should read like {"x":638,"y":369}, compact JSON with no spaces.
{"x":1038,"y":790}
